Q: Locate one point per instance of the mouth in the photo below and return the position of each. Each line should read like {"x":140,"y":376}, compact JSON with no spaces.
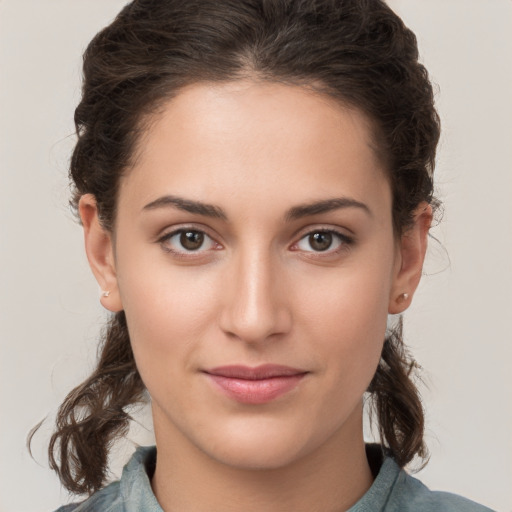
{"x":256,"y":385}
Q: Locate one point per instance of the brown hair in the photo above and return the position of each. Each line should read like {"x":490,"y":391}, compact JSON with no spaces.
{"x":357,"y":51}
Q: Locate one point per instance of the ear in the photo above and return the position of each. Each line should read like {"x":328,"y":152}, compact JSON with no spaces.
{"x":100,"y":253}
{"x":411,"y":251}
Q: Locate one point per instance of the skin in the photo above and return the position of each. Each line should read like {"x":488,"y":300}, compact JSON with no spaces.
{"x":257,"y":291}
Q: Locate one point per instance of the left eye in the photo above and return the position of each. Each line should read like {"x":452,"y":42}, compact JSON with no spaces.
{"x":321,"y":241}
{"x":187,"y":240}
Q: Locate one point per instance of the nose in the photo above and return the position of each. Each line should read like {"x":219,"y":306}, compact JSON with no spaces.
{"x":256,"y":306}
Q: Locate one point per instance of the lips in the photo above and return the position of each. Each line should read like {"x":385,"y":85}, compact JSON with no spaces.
{"x":257,"y":385}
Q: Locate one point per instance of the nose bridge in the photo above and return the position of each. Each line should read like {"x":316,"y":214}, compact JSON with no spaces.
{"x":255,"y":308}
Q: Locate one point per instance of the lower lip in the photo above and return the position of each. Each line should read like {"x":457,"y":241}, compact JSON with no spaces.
{"x":256,"y":391}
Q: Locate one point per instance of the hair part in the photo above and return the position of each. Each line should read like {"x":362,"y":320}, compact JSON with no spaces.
{"x":356,"y":51}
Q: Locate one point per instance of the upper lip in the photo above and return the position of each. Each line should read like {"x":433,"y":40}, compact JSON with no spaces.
{"x":265,"y":371}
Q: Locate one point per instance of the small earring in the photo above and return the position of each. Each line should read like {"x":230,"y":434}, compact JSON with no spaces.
{"x":402,"y":297}
{"x":105,"y":293}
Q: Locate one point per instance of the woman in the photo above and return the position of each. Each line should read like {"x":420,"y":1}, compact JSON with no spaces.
{"x":255,"y":184}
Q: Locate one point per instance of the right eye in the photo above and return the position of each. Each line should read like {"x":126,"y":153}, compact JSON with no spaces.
{"x":187,"y":241}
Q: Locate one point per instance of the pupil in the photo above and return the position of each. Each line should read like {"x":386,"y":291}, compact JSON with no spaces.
{"x":320,"y":241}
{"x":191,"y":240}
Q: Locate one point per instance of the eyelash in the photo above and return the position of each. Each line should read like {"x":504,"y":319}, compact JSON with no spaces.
{"x":344,"y":242}
{"x":163,"y":241}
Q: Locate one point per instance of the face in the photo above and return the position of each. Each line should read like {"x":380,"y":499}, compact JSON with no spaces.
{"x":256,"y":263}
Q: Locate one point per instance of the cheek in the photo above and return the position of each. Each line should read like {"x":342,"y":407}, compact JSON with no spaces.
{"x":347,"y":317}
{"x":167,"y":309}
{"x":353,"y":300}
{"x":156,"y":290}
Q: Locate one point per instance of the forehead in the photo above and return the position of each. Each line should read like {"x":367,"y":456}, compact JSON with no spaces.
{"x":239,"y":139}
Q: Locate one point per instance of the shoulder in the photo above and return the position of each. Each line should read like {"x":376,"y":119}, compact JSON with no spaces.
{"x":409,"y":494}
{"x":394,"y":490}
{"x":132,"y":493}
{"x":106,"y":500}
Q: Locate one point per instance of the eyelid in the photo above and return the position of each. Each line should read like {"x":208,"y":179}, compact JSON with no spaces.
{"x":345,"y":233}
{"x":346,"y":240}
{"x":170,"y":232}
{"x":185,"y":226}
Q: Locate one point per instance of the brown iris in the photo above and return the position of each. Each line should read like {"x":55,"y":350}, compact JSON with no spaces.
{"x":191,"y":240}
{"x":320,"y":241}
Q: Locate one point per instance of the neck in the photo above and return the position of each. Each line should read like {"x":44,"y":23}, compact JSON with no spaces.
{"x":330,"y":479}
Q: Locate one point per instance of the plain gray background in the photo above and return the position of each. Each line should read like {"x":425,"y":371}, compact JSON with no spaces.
{"x":458,"y":327}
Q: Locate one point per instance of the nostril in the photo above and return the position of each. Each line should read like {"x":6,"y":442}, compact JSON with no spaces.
{"x":254,"y":309}
{"x":256,"y":326}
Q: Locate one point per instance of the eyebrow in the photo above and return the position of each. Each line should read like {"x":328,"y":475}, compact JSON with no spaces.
{"x":297,"y":212}
{"x":324,"y":206}
{"x":188,"y":205}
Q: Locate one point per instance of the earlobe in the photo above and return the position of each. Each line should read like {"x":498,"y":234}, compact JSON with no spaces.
{"x":100,"y":253}
{"x":410,"y":257}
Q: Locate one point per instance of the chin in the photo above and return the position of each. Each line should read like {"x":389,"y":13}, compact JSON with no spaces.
{"x":260,"y":447}
{"x":258,"y":457}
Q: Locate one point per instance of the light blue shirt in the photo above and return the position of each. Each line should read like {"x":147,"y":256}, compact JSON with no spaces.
{"x":393,"y":490}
